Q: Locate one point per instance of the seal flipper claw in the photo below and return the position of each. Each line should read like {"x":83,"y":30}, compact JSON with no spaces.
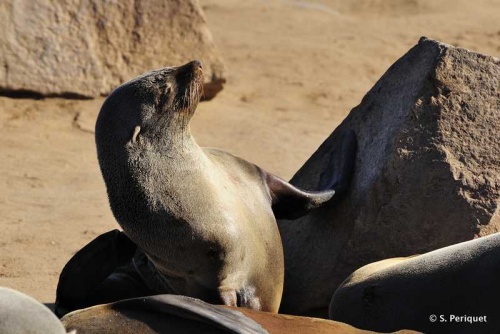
{"x":290,"y":202}
{"x":89,"y":267}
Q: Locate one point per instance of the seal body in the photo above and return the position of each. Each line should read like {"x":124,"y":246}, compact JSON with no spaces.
{"x":209,"y":228}
{"x":180,"y":314}
{"x":160,"y":314}
{"x":449,"y":290}
{"x":204,"y":218}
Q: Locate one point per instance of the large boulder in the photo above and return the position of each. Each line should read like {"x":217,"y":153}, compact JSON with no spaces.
{"x":86,"y":48}
{"x":427,"y":173}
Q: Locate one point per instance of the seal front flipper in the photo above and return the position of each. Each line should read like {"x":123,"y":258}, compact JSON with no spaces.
{"x":290,"y":202}
{"x":89,"y":267}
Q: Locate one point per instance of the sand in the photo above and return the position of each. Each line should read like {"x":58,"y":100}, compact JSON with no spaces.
{"x":295,"y":69}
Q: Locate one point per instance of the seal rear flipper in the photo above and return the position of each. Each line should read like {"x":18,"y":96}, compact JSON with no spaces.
{"x":90,"y":267}
{"x":290,"y":202}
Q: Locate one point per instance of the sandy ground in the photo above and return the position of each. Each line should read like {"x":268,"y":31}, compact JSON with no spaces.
{"x":295,"y":69}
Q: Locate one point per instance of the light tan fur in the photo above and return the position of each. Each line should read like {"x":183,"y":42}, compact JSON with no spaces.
{"x":202,"y":216}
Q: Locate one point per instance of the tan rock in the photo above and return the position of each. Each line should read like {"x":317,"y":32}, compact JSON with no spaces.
{"x":427,"y":173}
{"x":86,"y":48}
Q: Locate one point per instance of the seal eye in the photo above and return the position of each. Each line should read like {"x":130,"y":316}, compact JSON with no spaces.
{"x":165,"y":95}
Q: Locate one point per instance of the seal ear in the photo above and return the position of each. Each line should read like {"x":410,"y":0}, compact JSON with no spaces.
{"x":290,"y":202}
{"x":137,"y":130}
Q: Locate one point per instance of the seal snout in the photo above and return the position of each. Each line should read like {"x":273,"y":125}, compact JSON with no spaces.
{"x":194,"y":67}
{"x":189,"y":79}
{"x":189,"y":73}
{"x":197,"y":65}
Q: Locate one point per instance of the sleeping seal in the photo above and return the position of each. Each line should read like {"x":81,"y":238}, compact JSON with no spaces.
{"x":449,"y":290}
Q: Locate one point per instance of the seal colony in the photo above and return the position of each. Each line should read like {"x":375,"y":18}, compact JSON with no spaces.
{"x":204,"y":220}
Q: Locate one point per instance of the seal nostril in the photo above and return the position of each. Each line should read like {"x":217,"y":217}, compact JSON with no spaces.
{"x":197,"y":65}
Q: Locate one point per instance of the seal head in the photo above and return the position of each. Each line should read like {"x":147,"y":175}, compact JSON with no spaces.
{"x":158,"y":100}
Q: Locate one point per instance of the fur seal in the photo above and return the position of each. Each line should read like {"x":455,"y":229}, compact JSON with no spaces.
{"x":204,"y":219}
{"x":160,"y":314}
{"x":449,"y":290}
{"x":20,"y":313}
{"x":180,"y":314}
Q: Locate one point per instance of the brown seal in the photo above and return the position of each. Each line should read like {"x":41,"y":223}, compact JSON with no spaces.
{"x":160,"y":314}
{"x":450,"y":290}
{"x":180,"y":314}
{"x":204,"y":218}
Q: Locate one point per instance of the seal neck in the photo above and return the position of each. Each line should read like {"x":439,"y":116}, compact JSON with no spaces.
{"x":172,"y":137}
